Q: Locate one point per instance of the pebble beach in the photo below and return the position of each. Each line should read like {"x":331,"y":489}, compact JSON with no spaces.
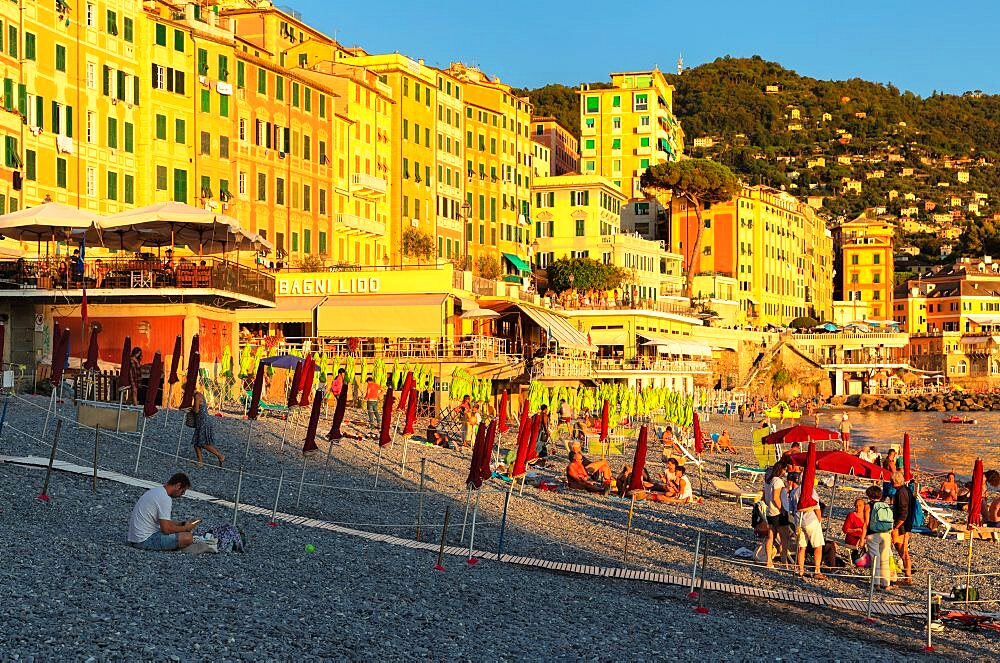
{"x":79,"y":592}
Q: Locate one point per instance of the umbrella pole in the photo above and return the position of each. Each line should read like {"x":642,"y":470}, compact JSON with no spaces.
{"x":277,"y":495}
{"x":968,"y":567}
{"x":465,"y":518}
{"x":121,"y":404}
{"x":326,"y":468}
{"x":472,"y":533}
{"x":138,"y":453}
{"x":406,"y":444}
{"x":246,"y":451}
{"x":701,"y":477}
{"x":628,"y":530}
{"x":833,"y":497}
{"x":503,"y":518}
{"x":284,"y":429}
{"x":166,"y":412}
{"x":378,"y":466}
{"x":49,"y":412}
{"x":180,"y":434}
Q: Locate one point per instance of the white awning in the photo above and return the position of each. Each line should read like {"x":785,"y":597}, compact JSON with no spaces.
{"x":673,"y":345}
{"x":561,"y":330}
{"x":984,"y":319}
{"x":980,"y":340}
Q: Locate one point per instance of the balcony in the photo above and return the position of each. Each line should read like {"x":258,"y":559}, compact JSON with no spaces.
{"x":138,"y":280}
{"x":646,"y":365}
{"x":562,"y":367}
{"x":361,"y":224}
{"x":643,"y":129}
{"x":487,"y":349}
{"x":643,"y":151}
{"x":368,"y":186}
{"x":588,"y":131}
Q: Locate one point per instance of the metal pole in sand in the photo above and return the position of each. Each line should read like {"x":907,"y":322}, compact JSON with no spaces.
{"x":930,"y":647}
{"x":420,"y":494}
{"x":121,"y":404}
{"x":97,"y":441}
{"x":378,"y":466}
{"x":277,"y":496}
{"x":180,"y":433}
{"x":302,"y":482}
{"x":472,"y":534}
{"x":503,"y":518}
{"x":284,"y":429}
{"x":465,"y":518}
{"x":246,"y":450}
{"x":968,"y":567}
{"x":138,"y":453}
{"x":326,"y":468}
{"x":49,"y":412}
{"x":871,"y":591}
{"x":406,"y":445}
{"x":44,"y":495}
{"x":701,"y":609}
{"x":694,"y":567}
{"x":166,"y":410}
{"x":444,"y":536}
{"x":239,"y":487}
{"x":628,"y":529}
{"x":829,"y":514}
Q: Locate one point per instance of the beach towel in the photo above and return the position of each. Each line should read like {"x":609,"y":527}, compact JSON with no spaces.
{"x":229,"y":538}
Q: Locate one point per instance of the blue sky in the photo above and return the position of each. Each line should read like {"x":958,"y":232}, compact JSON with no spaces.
{"x":917,"y":45}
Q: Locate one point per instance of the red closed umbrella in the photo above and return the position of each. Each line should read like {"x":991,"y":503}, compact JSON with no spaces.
{"x":801,"y":434}
{"x":525,"y":414}
{"x":976,"y":494}
{"x":175,"y":361}
{"x":93,"y":352}
{"x":408,"y":387}
{"x":523,"y":442}
{"x":385,"y":435}
{"x":536,"y":426}
{"x":124,"y":373}
{"x":411,"y":413}
{"x":293,"y":389}
{"x":699,"y":443}
{"x":310,"y":442}
{"x":60,"y":349}
{"x":153,"y":386}
{"x":502,"y":413}
{"x":475,"y":466}
{"x":338,"y":414}
{"x":639,"y":460}
{"x":485,"y":471}
{"x":841,"y":462}
{"x":907,"y":474}
{"x":258,"y":389}
{"x":191,"y":379}
{"x":308,"y":373}
{"x":605,"y":421}
{"x":807,"y":492}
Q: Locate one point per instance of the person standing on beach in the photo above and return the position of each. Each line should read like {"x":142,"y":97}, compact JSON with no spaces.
{"x":845,"y":432}
{"x":150,"y":526}
{"x":372,"y":392}
{"x":776,"y":499}
{"x":878,"y":525}
{"x":902,"y":516}
{"x":204,"y":434}
{"x":135,"y":373}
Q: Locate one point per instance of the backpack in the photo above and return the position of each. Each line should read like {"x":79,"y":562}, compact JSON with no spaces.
{"x":758,"y":518}
{"x":916,"y":517}
{"x":881,"y":518}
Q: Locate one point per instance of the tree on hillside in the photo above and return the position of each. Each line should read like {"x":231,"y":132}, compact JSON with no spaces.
{"x":699,"y":182}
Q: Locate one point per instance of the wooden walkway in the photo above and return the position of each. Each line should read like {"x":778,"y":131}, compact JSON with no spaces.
{"x":880,"y":608}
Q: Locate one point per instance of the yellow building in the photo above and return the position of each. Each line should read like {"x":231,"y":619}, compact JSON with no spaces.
{"x":541,"y":159}
{"x":864,"y":266}
{"x":498,"y":173}
{"x":627,"y":128}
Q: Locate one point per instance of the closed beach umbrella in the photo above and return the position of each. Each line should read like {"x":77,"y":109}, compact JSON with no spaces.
{"x":485,"y":471}
{"x":411,"y":413}
{"x":385,"y":435}
{"x":523,"y":442}
{"x":153,"y":386}
{"x":124,"y":374}
{"x":258,"y":389}
{"x":310,"y":443}
{"x":502,"y":424}
{"x":175,"y":361}
{"x":308,"y":373}
{"x":699,"y":444}
{"x":293,"y":389}
{"x":605,"y":420}
{"x":976,"y":494}
{"x":475,"y":466}
{"x":404,"y":397}
{"x":639,"y":460}
{"x":193,"y":366}
{"x":60,"y":351}
{"x":907,"y":474}
{"x":536,"y":426}
{"x":93,"y":352}
{"x":808,"y":480}
{"x":525,"y":414}
{"x":338,"y":414}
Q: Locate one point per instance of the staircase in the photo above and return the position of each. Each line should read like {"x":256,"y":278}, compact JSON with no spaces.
{"x":762,"y":363}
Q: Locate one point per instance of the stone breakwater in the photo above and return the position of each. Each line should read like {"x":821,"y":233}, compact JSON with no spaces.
{"x":942,"y":402}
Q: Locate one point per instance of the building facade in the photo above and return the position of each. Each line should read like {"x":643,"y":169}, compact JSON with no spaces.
{"x":563,"y":146}
{"x":864,"y":267}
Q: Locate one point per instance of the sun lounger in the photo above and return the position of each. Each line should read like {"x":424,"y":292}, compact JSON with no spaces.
{"x":950,"y":521}
{"x":754,"y":472}
{"x":691,"y":458}
{"x":745,"y":498}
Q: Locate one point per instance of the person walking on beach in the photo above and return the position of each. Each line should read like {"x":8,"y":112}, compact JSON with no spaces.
{"x":878,"y":525}
{"x":135,"y":373}
{"x":809,"y":525}
{"x":845,"y":432}
{"x":902,"y":516}
{"x":372,"y":392}
{"x":150,"y":526}
{"x":204,"y":434}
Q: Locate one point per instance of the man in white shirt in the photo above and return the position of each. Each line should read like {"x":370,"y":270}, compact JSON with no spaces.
{"x":810,"y":530}
{"x":150,"y":526}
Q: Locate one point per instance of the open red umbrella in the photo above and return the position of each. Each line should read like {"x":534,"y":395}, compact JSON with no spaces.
{"x":191,"y":379}
{"x":310,"y":442}
{"x":293,"y":389}
{"x":976,"y":494}
{"x":385,"y":435}
{"x":308,"y":374}
{"x":475,"y":466}
{"x":523,"y":442}
{"x":639,"y":460}
{"x":808,"y":490}
{"x":124,"y":372}
{"x":258,"y":390}
{"x":502,"y":412}
{"x":699,"y":443}
{"x":801,"y":434}
{"x":93,"y":352}
{"x":907,"y":474}
{"x":605,"y":421}
{"x":485,"y":471}
{"x":60,"y":350}
{"x":841,"y":462}
{"x":175,"y":360}
{"x":338,"y":415}
{"x":153,"y":386}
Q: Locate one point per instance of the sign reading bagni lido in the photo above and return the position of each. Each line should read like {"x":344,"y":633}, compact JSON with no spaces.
{"x":364,"y":282}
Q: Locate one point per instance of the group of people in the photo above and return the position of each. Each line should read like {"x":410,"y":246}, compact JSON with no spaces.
{"x":596,"y":476}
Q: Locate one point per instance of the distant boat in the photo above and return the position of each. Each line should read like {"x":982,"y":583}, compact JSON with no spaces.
{"x":776,"y":412}
{"x":955,"y":419}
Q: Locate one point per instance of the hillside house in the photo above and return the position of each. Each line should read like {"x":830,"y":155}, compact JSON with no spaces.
{"x":850,"y":185}
{"x":906,"y":172}
{"x":704,"y":141}
{"x":892,"y":195}
{"x":909,"y":196}
{"x":816,"y":202}
{"x":818,"y":162}
{"x":844,"y":160}
{"x":827,"y":117}
{"x":956,"y":201}
{"x":909,"y":211}
{"x":772,"y":89}
{"x":861,"y":115}
{"x":795,"y":126}
{"x":796,"y":114}
{"x":875,"y":175}
{"x":962,"y":176}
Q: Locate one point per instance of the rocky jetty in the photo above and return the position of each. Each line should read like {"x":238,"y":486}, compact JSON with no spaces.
{"x":960,"y":401}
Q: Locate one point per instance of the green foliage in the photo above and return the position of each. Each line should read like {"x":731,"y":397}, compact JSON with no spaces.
{"x":417,"y":244}
{"x":781,"y":378}
{"x":488,"y":267}
{"x":312,"y":263}
{"x":702,"y":181}
{"x":559,"y":101}
{"x":587,"y":274}
{"x":804,"y":322}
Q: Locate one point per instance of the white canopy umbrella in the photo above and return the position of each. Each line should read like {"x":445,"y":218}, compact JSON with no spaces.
{"x":172,"y":223}
{"x":480,"y":313}
{"x":50,"y":222}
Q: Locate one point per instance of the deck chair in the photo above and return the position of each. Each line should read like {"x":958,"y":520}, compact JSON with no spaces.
{"x":265,"y":408}
{"x":950,"y":522}
{"x":753,"y":472}
{"x":691,"y":458}
{"x":745,"y":498}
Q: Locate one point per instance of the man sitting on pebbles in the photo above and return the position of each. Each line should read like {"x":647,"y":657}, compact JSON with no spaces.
{"x":150,"y":526}
{"x":578,"y":478}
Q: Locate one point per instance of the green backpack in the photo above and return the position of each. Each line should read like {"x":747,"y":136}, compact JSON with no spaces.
{"x":881,"y":518}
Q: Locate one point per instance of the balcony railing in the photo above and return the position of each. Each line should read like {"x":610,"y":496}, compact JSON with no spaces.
{"x":138,"y":276}
{"x":470,"y":347}
{"x":562,"y":367}
{"x":368,"y":185}
{"x":651,"y":365}
{"x":361,"y":224}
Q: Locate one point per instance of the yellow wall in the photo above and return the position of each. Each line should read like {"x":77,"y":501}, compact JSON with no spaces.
{"x":866,"y":265}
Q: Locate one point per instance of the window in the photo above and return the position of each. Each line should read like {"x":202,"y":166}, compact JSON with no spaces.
{"x":91,"y":11}
{"x":206,"y":143}
{"x":161,"y":126}
{"x":223,"y":147}
{"x":112,"y":185}
{"x":322,"y":243}
{"x":616,"y":143}
{"x":179,"y":131}
{"x":322,"y":208}
{"x":306,"y":199}
{"x":590,"y":143}
{"x":60,"y":57}
{"x":129,"y":137}
{"x":854,"y":259}
{"x":206,"y":101}
{"x":261,"y":81}
{"x":113,"y":133}
{"x":179,"y":47}
{"x":60,"y":172}
{"x":241,"y":74}
{"x":224,"y":105}
{"x":29,"y":165}
{"x":295,"y":98}
{"x":279,"y":88}
{"x":91,"y":127}
{"x":242,"y":183}
{"x":160,"y":30}
{"x":29,"y":46}
{"x":308,"y":103}
{"x":593,"y":104}
{"x":641,"y":102}
{"x":91,"y":181}
{"x":295,"y":242}
{"x":180,"y":185}
{"x":161,"y":178}
{"x":616,"y":101}
{"x":876,"y":259}
{"x":112,"y":23}
{"x":223,"y":68}
{"x":580,"y":227}
{"x":129,"y":182}
{"x":129,"y":29}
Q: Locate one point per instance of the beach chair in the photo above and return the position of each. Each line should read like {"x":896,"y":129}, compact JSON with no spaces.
{"x":265,"y":408}
{"x":949,"y":521}
{"x":691,"y":458}
{"x":753,"y":472}
{"x":745,"y":498}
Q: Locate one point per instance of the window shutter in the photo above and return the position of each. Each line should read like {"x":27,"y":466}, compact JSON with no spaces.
{"x":135,"y":90}
{"x":55,"y":117}
{"x":69,"y":121}
{"x":106,"y":81}
{"x":287,"y":140}
{"x":39,"y":112}
{"x":22,"y":100}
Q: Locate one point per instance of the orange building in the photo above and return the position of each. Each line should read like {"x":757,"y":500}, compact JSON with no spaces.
{"x":864,"y":266}
{"x":564,"y":147}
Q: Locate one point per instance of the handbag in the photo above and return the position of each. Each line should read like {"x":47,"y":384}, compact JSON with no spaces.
{"x":189,"y":419}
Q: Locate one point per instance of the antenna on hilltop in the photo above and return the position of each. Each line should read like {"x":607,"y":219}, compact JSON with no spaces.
{"x":680,"y":64}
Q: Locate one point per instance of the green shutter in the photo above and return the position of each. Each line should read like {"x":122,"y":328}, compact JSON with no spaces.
{"x":120,"y":88}
{"x":60,"y":57}
{"x":279,"y":88}
{"x":55,"y":117}
{"x":180,"y":185}
{"x":129,"y":138}
{"x":61,"y":173}
{"x":178,"y":41}
{"x":22,"y":100}
{"x":261,"y":81}
{"x":129,"y":31}
{"x":161,"y":127}
{"x":29,"y":164}
{"x":113,"y":133}
{"x":69,"y":121}
{"x":224,"y":105}
{"x":202,"y":62}
{"x":161,"y":34}
{"x":206,"y":101}
{"x":322,"y":105}
{"x":223,"y":68}
{"x":241,"y":74}
{"x":129,"y":188}
{"x":12,"y":40}
{"x":322,"y":242}
{"x":39,"y":112}
{"x":179,"y":132}
{"x":112,"y":185}
{"x":308,"y":100}
{"x":106,"y":80}
{"x":8,"y":94}
{"x":135,"y":90}
{"x":29,"y":46}
{"x":306,"y":241}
